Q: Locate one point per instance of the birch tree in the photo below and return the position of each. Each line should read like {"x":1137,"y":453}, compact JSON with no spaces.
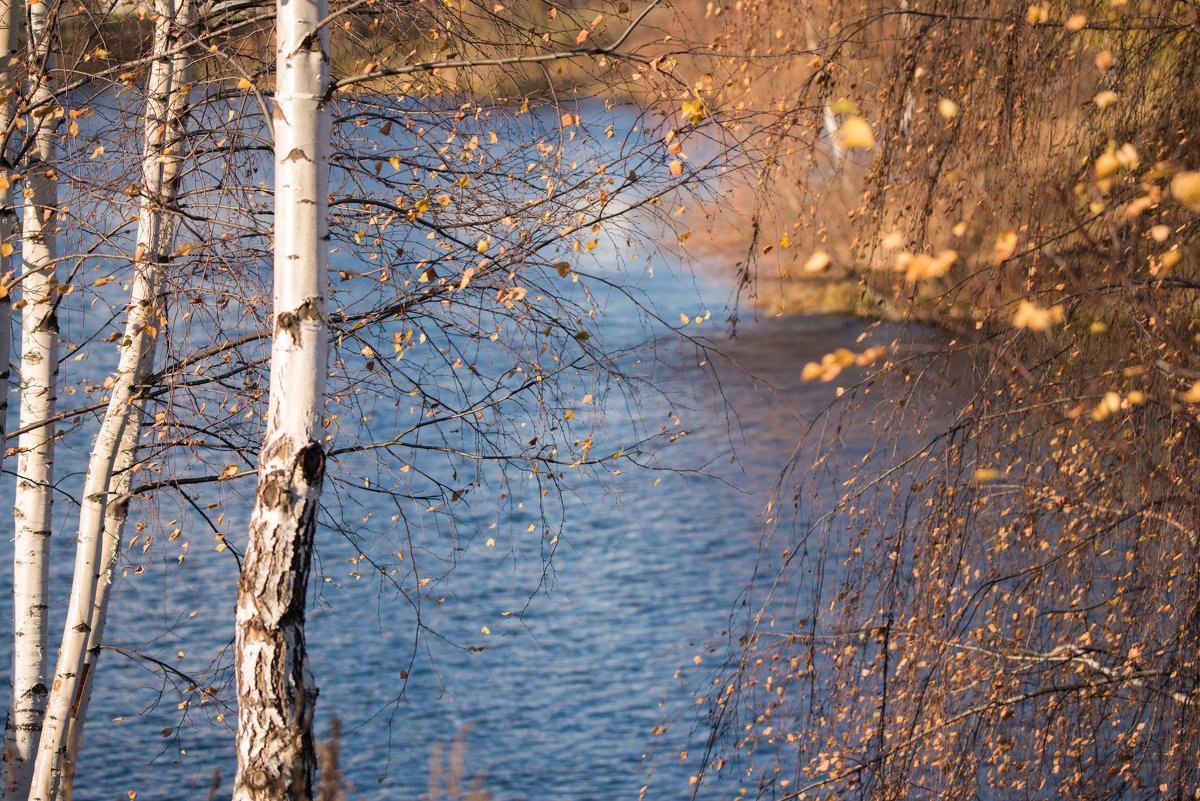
{"x":39,"y":388}
{"x":105,"y":503}
{"x":276,"y":691}
{"x":11,"y":23}
{"x":443,"y":226}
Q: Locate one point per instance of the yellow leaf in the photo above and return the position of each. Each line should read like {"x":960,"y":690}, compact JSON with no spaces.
{"x":183,"y":250}
{"x":103,"y":280}
{"x":855,"y":134}
{"x":947,"y":108}
{"x":1185,"y":187}
{"x":811,"y":372}
{"x":1109,"y":405}
{"x":818,"y":262}
{"x":842,"y":105}
{"x":490,"y":542}
{"x":485,"y":630}
{"x":395,"y":162}
{"x":97,"y":152}
{"x":1106,"y":165}
{"x":582,"y":37}
{"x":1105,"y":99}
{"x":244,"y":83}
{"x":229,"y":471}
{"x":1006,"y":245}
{"x":1035,"y":318}
{"x":843,"y":357}
{"x":676,"y":166}
{"x":1193,"y":393}
{"x":423,"y":205}
{"x":985,"y":474}
{"x":1076,"y":22}
{"x":563,"y":269}
{"x":6,"y":250}
{"x":683,"y":318}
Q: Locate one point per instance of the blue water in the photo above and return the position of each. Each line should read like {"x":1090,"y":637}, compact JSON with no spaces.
{"x":560,"y":623}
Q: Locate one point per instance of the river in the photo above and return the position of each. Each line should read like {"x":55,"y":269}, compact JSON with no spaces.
{"x":565,"y":662}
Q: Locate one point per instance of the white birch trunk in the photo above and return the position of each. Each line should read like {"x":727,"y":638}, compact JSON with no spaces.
{"x":11,"y":15}
{"x":276,"y":693}
{"x":102,"y":516}
{"x":39,"y":380}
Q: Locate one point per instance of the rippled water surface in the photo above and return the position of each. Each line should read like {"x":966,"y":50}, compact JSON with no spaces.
{"x":554,"y":658}
{"x":563,"y":697}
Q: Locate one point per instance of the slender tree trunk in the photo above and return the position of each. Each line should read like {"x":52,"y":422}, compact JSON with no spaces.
{"x":276,"y":693}
{"x":103,"y":513}
{"x":11,"y":15}
{"x":39,"y":391}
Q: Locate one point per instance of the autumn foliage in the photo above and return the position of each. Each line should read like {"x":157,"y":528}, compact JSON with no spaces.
{"x":1001,"y":599}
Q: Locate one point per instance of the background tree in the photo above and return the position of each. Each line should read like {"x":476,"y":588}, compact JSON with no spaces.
{"x":1013,"y":609}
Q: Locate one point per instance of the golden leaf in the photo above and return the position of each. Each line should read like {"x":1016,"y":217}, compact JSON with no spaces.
{"x":1106,"y":165}
{"x":1185,"y":187}
{"x":1036,"y":318}
{"x":1006,"y":245}
{"x":676,"y":166}
{"x":818,"y":262}
{"x":855,"y":134}
{"x":244,"y":83}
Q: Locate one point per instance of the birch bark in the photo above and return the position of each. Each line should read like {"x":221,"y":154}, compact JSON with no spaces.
{"x":276,"y":692}
{"x":11,"y":14}
{"x":38,"y":399}
{"x":103,"y":512}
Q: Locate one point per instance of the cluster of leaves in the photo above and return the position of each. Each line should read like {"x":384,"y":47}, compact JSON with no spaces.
{"x":1000,"y":598}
